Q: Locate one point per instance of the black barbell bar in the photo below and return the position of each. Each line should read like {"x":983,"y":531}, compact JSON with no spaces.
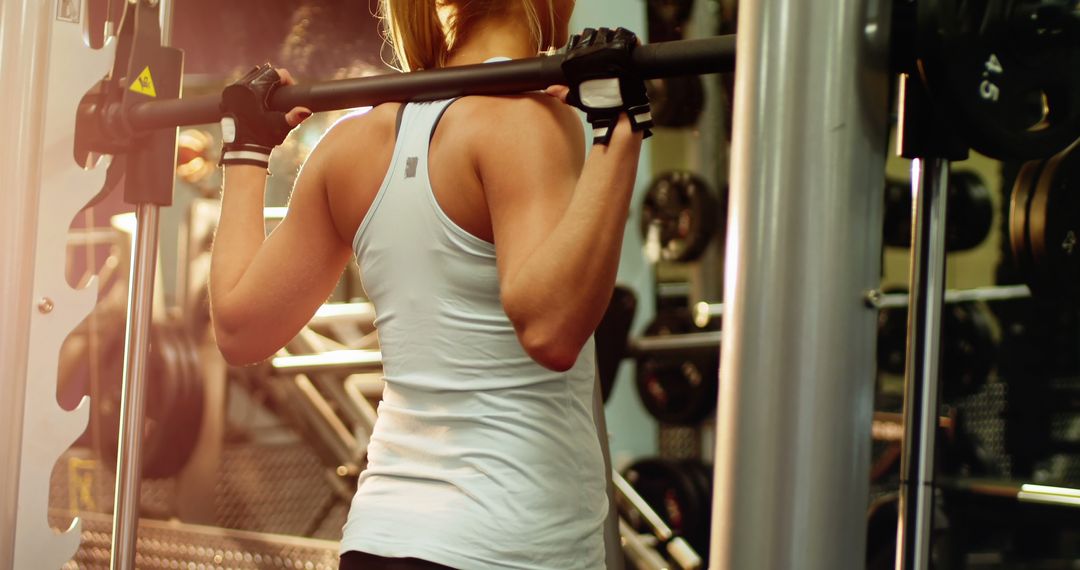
{"x":664,"y":59}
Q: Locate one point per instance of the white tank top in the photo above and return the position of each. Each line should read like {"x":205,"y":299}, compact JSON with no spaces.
{"x":481,"y":458}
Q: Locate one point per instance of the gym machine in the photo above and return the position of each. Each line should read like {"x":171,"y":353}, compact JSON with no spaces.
{"x":116,"y":120}
{"x":846,"y":271}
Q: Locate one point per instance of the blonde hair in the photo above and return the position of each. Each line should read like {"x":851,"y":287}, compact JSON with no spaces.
{"x":422,"y":33}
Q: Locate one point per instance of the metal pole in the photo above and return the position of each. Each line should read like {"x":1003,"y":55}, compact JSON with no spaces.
{"x":803,"y":247}
{"x":22,"y":25}
{"x":930,"y":179}
{"x":136,"y":363}
{"x":133,"y":408}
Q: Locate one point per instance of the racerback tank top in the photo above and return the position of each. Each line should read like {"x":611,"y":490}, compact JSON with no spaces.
{"x":480,"y":458}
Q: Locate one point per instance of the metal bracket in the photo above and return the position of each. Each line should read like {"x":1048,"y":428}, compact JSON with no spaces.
{"x":65,"y":188}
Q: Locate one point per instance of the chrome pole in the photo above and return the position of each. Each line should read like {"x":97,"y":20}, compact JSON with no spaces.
{"x":136,"y":357}
{"x":133,"y":407}
{"x":930,"y":178}
{"x":803,"y":246}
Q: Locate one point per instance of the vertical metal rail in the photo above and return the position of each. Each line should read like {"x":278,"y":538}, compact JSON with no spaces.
{"x":21,"y":54}
{"x":133,"y":408}
{"x":930,"y":178}
{"x":136,"y":364}
{"x":803,"y":247}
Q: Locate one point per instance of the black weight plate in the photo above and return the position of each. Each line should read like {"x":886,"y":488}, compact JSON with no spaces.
{"x":1054,"y":228}
{"x":1019,"y":203}
{"x":970,"y":211}
{"x":881,"y":522}
{"x":897,"y":225}
{"x":702,"y":476}
{"x":676,"y":320}
{"x":1008,"y":76}
{"x":678,"y":217}
{"x":163,"y":390}
{"x":892,"y":340}
{"x":677,"y":102}
{"x":679,"y":391}
{"x":612,"y":335}
{"x":195,"y":401}
{"x":182,"y":422}
{"x":968,"y":349}
{"x":159,"y":389}
{"x":171,"y":401}
{"x":161,"y":462}
{"x":666,"y":19}
{"x":672,"y":492}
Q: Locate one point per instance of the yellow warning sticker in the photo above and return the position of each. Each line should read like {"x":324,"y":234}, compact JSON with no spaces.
{"x":144,"y":83}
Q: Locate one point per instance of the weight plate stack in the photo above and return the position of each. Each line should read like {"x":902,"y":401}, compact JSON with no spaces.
{"x":679,"y":217}
{"x":1007,"y":74}
{"x":678,"y":388}
{"x":1044,"y":225}
{"x":612,"y":335}
{"x":681,"y":493}
{"x":666,"y":19}
{"x":967,"y":347}
{"x":174,"y":402}
{"x":970,"y":212}
{"x":881,"y":532}
{"x":677,"y":102}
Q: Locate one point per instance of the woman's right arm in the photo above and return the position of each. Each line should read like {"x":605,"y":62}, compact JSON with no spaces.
{"x":558,"y":221}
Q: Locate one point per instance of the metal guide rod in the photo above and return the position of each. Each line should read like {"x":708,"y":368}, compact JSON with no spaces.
{"x":665,"y":59}
{"x":140,"y":309}
{"x":930,"y":179}
{"x":133,"y":406}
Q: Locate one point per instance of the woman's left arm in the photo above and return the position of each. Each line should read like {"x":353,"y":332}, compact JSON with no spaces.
{"x":263,"y":290}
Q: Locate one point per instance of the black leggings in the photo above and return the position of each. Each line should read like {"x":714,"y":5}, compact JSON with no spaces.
{"x":353,"y":560}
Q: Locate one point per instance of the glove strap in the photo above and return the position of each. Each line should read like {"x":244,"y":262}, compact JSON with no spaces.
{"x":641,"y":119}
{"x":247,"y":154}
{"x":603,"y":126}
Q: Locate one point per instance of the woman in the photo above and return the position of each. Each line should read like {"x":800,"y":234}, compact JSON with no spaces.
{"x":489,"y":245}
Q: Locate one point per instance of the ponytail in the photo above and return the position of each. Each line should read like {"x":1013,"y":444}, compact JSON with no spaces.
{"x":415,"y":32}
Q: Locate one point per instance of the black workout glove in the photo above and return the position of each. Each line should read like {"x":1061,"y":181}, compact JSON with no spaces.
{"x":604,"y":83}
{"x":249,"y":129}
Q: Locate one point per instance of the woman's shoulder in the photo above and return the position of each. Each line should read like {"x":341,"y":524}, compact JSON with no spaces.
{"x":363,"y":132}
{"x":506,"y":112}
{"x":365,"y":124}
{"x":503,"y":122}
